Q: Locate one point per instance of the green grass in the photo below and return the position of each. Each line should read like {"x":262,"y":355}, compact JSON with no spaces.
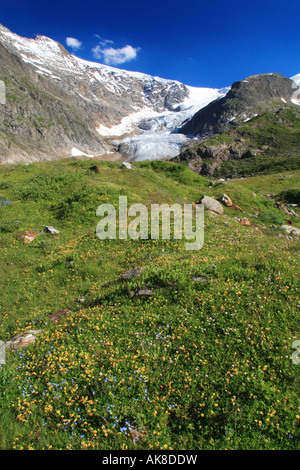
{"x":280,"y":132}
{"x":273,"y":136}
{"x":200,"y":365}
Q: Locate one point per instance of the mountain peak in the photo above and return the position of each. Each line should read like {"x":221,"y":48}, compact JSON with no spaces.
{"x":57,"y":102}
{"x":86,"y":104}
{"x":246,"y":99}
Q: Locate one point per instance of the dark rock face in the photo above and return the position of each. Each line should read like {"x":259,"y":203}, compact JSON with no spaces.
{"x":246,"y":99}
{"x":223,"y":130}
{"x":206,"y":159}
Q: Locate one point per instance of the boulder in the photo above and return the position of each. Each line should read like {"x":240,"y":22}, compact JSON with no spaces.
{"x":131,"y":273}
{"x":127,"y":165}
{"x":143,"y":292}
{"x":50,"y":229}
{"x":54,"y":317}
{"x":96,"y":169}
{"x":29,"y":236}
{"x":211,"y":204}
{"x":226,"y":200}
{"x":291,"y":230}
{"x":23,"y":339}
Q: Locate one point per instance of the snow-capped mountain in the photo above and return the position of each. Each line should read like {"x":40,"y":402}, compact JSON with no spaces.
{"x":60,"y":105}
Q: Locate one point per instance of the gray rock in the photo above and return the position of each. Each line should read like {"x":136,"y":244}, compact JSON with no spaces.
{"x":50,"y":229}
{"x":23,"y":339}
{"x":292,"y":212}
{"x":127,"y":165}
{"x":131,"y":273}
{"x":143,"y":292}
{"x":291,"y":230}
{"x":212,"y":204}
{"x":200,"y":278}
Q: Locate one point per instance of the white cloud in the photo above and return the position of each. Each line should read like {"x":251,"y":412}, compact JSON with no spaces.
{"x":73,"y":43}
{"x":104,"y":42}
{"x":112,"y":56}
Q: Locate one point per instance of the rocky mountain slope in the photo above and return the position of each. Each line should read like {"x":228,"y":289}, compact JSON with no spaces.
{"x":246,"y":99}
{"x":254,"y":128}
{"x":266,"y":143}
{"x":39,"y":120}
{"x":58,"y":105}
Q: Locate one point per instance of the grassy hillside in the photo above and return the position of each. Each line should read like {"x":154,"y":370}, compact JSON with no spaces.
{"x":268,"y":143}
{"x":203,"y":363}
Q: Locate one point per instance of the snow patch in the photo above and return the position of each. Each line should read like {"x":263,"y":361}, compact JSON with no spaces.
{"x":79,"y":153}
{"x":127,"y":124}
{"x":297,"y":102}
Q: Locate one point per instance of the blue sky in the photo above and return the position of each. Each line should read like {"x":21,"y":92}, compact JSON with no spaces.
{"x":200,"y":43}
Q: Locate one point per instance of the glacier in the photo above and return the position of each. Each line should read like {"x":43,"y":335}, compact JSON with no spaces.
{"x":155,"y":136}
{"x":141,"y":112}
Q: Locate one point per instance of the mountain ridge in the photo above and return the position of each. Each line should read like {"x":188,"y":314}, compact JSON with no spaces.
{"x":246,"y":99}
{"x":58,"y":106}
{"x":105,"y":95}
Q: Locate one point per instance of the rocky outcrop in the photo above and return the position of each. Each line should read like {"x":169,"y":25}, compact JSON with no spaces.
{"x":291,"y":230}
{"x":39,"y":120}
{"x":267,"y":141}
{"x":205,"y":159}
{"x":22,"y":340}
{"x":246,"y":99}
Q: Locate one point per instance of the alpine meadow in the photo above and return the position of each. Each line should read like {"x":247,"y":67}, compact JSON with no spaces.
{"x":118,"y":335}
